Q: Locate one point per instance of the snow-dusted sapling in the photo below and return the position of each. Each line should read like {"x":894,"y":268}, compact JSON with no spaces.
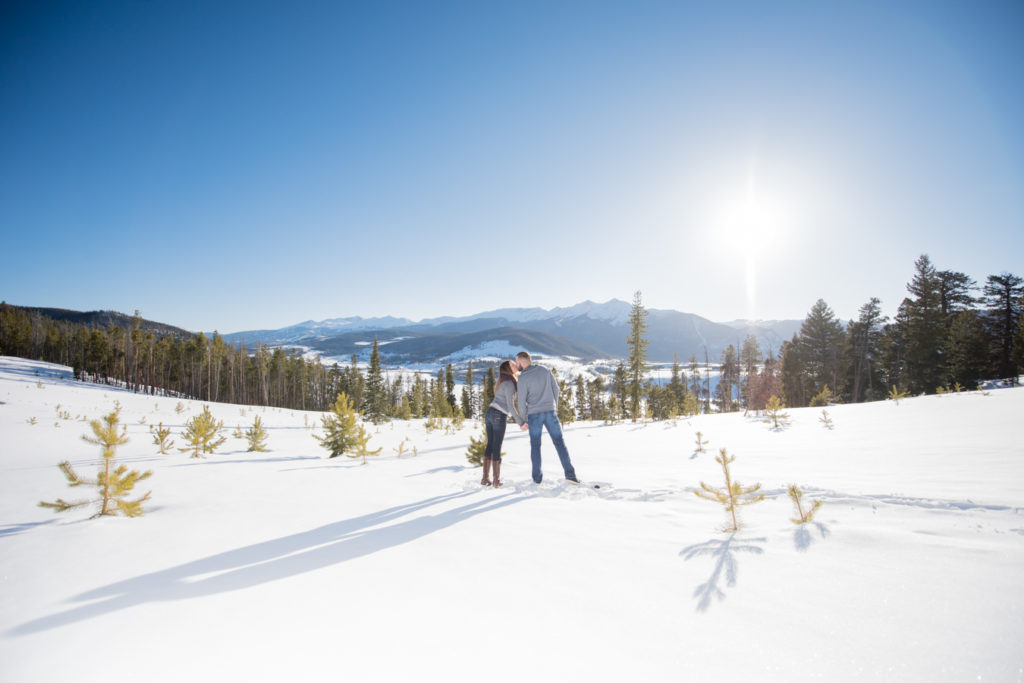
{"x":114,"y":483}
{"x":160,"y":434}
{"x":825,"y":420}
{"x":774,"y":412}
{"x":802,"y":517}
{"x":340,"y":428}
{"x":733,"y":495}
{"x":896,"y":394}
{"x":823,"y":397}
{"x":203,"y":434}
{"x":475,"y":451}
{"x":256,"y":436}
{"x":701,"y":443}
{"x":361,"y":448}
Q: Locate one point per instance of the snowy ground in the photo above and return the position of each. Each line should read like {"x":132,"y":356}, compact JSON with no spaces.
{"x":288,"y":566}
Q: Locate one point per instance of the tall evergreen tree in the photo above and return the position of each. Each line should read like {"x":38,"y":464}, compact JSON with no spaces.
{"x":1002,"y":299}
{"x":449,"y":387}
{"x":581,"y":398}
{"x":820,"y":345}
{"x":750,"y":359}
{"x":468,"y":397}
{"x":374,"y":397}
{"x":637,"y":343}
{"x":926,"y":329}
{"x":865,"y":338}
{"x":677,"y":385}
{"x":490,"y":382}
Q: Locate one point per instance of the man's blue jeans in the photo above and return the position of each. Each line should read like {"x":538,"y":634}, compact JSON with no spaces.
{"x":550,"y":420}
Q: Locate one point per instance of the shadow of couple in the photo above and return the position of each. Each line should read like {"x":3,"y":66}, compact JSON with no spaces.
{"x":280,"y":558}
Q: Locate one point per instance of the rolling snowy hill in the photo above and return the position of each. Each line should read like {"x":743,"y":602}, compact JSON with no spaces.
{"x":288,"y":566}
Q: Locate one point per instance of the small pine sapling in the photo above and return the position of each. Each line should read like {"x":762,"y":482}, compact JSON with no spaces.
{"x":475,"y":451}
{"x":896,"y":394}
{"x":733,"y":495}
{"x":415,"y":451}
{"x":701,"y":443}
{"x":361,"y":448}
{"x":256,"y":436}
{"x":825,"y":420}
{"x":180,"y":408}
{"x":33,"y":420}
{"x":774,"y":412}
{"x":113,"y":483}
{"x":203,"y":434}
{"x":823,"y":397}
{"x":691,"y":406}
{"x":238,"y":433}
{"x":160,"y":434}
{"x":400,"y":450}
{"x":802,"y":517}
{"x":340,"y":428}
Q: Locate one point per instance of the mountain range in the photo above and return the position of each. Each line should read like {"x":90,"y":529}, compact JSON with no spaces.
{"x":588,"y":331}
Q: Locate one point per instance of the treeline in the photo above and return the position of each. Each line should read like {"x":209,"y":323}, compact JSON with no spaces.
{"x":209,"y":369}
{"x":949,"y":334}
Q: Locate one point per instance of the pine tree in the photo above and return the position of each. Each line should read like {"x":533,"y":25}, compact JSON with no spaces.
{"x":203,"y":434}
{"x":476,"y":449}
{"x":1003,"y":301}
{"x":340,"y":427}
{"x":361,"y":448}
{"x":581,"y":398}
{"x":926,"y":329}
{"x":774,"y":410}
{"x":897,"y":394}
{"x":374,"y":396}
{"x":160,"y":434}
{"x":865,"y":350}
{"x":820,"y":346}
{"x":701,"y":443}
{"x":256,"y":436}
{"x":733,"y":495}
{"x":966,"y":349}
{"x":825,"y":420}
{"x":691,"y":406}
{"x":797,"y":496}
{"x":113,"y":483}
{"x":468,"y":395}
{"x":449,"y":387}
{"x":823,"y":397}
{"x":750,"y":359}
{"x":637,"y":343}
{"x":489,"y":387}
{"x":619,"y":393}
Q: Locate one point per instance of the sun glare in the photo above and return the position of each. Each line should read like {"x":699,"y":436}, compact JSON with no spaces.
{"x":749,"y":226}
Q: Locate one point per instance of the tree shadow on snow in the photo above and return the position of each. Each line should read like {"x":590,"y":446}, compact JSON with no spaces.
{"x":725,"y":553}
{"x":802,"y":537}
{"x":272,"y":560}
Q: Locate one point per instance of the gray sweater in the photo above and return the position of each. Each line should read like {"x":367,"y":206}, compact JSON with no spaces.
{"x":538,"y":391}
{"x":505,"y":401}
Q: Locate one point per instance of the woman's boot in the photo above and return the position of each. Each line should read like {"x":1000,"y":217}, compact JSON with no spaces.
{"x":487,"y":469}
{"x":496,"y":464}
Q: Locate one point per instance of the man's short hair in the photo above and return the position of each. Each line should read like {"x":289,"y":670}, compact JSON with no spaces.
{"x":523,"y":355}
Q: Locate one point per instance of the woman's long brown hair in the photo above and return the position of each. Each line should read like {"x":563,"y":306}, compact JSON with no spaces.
{"x":505,"y":372}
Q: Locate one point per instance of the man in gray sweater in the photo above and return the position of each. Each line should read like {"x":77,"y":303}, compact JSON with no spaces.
{"x":538,"y":401}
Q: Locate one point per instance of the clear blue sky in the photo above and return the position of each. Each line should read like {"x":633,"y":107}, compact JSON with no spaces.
{"x":234,"y":166}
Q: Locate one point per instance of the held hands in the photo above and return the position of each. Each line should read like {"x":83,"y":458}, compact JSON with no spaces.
{"x":524,"y":427}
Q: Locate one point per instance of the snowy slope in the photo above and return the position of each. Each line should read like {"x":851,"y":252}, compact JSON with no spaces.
{"x":289,"y":566}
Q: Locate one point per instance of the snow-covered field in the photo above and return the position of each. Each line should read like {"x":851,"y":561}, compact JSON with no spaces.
{"x":288,"y":566}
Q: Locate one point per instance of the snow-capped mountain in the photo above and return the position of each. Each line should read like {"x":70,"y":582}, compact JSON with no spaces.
{"x":587,"y":330}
